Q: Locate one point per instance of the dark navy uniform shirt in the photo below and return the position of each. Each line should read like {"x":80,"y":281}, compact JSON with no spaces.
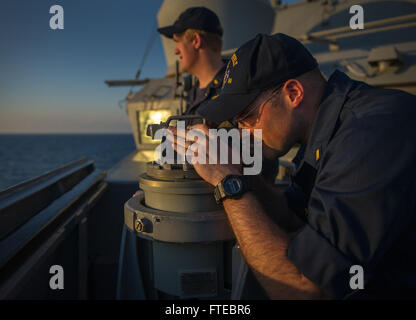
{"x":355,"y":188}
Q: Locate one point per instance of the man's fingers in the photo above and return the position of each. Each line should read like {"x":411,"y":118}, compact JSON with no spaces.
{"x":193,"y":135}
{"x":201,"y":127}
{"x":180,"y":145}
{"x":178,"y":132}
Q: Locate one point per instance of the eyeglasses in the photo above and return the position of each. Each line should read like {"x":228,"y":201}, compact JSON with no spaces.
{"x":243,"y":118}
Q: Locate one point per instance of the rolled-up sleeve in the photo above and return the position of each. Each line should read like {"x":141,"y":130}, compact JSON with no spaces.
{"x":361,"y":202}
{"x":321,"y":262}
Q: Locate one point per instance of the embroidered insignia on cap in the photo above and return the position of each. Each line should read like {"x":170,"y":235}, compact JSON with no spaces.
{"x":317,"y":154}
{"x":234,"y":60}
{"x":226,"y":75}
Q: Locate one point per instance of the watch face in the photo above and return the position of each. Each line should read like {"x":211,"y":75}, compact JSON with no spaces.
{"x":232,"y":186}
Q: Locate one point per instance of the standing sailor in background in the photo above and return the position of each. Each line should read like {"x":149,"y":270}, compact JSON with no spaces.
{"x":198,"y":36}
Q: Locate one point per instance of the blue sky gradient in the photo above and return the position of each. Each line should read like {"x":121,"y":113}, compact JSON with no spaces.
{"x":52,"y":81}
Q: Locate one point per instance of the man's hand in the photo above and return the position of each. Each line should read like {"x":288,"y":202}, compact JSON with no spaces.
{"x":206,"y":165}
{"x":265,"y":246}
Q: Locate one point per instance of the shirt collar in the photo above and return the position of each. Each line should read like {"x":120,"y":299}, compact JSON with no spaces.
{"x":217,"y":81}
{"x":338,"y":87}
{"x":212,"y":88}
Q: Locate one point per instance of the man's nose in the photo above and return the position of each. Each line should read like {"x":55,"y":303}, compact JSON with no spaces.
{"x":241,"y":125}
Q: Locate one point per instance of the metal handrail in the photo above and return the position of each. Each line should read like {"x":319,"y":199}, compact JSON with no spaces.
{"x":376,"y":23}
{"x":375,"y":30}
{"x":346,"y":32}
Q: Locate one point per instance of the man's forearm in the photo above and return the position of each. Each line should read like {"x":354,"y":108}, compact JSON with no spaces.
{"x":274,"y":203}
{"x":264,"y":246}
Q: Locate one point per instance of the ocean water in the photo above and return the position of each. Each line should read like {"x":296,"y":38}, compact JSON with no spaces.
{"x":25,"y":156}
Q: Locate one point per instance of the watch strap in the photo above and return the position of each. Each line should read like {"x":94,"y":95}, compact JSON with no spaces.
{"x":220,"y":194}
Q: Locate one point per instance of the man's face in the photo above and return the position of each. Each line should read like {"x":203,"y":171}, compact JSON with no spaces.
{"x":185,"y":50}
{"x":276,"y":122}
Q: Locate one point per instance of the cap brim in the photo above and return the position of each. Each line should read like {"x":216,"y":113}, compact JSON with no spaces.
{"x":226,"y":106}
{"x":169,"y":31}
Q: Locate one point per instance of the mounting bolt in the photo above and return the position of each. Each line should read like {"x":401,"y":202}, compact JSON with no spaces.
{"x":143,"y":225}
{"x":138,"y":225}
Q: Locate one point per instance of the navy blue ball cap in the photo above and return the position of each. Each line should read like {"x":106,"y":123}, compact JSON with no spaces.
{"x":199,"y":18}
{"x":260,"y":64}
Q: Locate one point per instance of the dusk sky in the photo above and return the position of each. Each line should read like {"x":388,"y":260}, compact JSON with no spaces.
{"x":52,"y":81}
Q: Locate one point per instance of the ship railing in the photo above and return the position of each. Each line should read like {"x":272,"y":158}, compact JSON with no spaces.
{"x":36,"y":219}
{"x":331,"y":36}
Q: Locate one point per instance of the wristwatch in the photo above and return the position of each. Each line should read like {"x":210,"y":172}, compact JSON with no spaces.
{"x":231,"y":187}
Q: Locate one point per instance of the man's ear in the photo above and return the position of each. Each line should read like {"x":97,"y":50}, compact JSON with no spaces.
{"x":197,"y":40}
{"x":294,"y":92}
